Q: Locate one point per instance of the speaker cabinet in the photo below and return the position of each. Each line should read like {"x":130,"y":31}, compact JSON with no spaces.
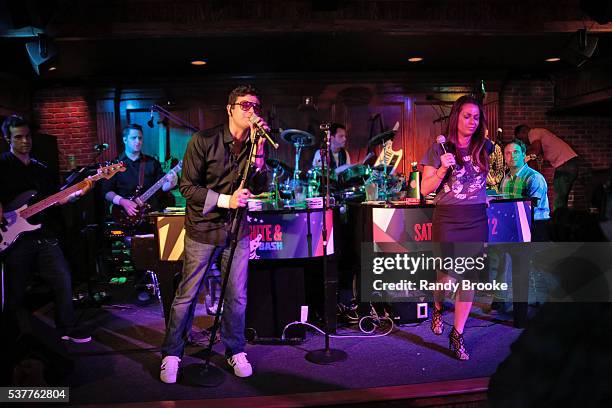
{"x":275,"y":296}
{"x":42,"y":53}
{"x":579,"y":48}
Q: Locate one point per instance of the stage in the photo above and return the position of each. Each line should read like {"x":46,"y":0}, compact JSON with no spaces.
{"x":121,"y":364}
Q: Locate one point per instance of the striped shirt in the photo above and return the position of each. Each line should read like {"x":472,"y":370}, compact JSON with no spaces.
{"x":528,"y":183}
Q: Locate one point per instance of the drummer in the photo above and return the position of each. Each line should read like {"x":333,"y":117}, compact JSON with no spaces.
{"x":339,"y":159}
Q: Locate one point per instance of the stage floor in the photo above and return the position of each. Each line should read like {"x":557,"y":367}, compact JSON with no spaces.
{"x":122,"y":362}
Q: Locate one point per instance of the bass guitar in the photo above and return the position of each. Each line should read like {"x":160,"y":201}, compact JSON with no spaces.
{"x":15,"y":219}
{"x":127,"y":220}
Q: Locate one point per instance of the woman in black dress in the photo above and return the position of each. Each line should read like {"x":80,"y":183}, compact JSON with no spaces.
{"x":459,"y":180}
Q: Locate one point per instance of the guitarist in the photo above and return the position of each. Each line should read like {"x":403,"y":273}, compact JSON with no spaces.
{"x":19,"y":172}
{"x":142,"y":171}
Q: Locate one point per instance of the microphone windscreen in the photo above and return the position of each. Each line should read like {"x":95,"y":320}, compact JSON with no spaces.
{"x":440,"y":139}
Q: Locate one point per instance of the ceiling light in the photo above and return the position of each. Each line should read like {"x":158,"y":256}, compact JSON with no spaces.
{"x":553,"y":59}
{"x":198,"y":62}
{"x":415,"y":59}
{"x":52,"y":68}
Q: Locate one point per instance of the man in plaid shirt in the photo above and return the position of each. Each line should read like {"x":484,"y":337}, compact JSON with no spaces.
{"x":522,"y":180}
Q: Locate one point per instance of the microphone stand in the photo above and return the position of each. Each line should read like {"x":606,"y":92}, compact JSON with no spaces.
{"x":206,"y":374}
{"x":385,"y":175}
{"x":326,"y":355}
{"x":90,"y":298}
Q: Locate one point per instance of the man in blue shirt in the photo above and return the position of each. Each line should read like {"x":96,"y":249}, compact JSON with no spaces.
{"x":522,"y":180}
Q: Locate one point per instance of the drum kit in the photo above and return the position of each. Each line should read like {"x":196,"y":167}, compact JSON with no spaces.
{"x":294,"y":188}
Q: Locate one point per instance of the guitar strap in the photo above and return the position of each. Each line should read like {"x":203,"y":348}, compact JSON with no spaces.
{"x":141,"y":172}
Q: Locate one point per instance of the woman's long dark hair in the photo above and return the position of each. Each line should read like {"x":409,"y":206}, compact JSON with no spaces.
{"x":476,"y":148}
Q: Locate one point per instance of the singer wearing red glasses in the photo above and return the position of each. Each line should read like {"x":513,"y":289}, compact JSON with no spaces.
{"x":212,"y":169}
{"x":456,"y":169}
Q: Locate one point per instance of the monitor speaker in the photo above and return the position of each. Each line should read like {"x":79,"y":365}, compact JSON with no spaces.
{"x":42,"y":53}
{"x":579,"y":49}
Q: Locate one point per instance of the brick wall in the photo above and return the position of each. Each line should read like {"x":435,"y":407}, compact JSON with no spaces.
{"x":527,"y":101}
{"x":69,"y":115}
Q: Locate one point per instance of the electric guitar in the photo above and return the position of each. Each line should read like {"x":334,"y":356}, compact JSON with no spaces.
{"x":389,"y":157}
{"x":15,"y":219}
{"x":123,"y":218}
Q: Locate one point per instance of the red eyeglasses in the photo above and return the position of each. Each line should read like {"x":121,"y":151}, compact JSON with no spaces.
{"x":246,"y":105}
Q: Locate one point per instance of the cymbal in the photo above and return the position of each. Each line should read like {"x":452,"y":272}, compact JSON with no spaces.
{"x":299,"y":137}
{"x":275,"y":163}
{"x":381,"y":138}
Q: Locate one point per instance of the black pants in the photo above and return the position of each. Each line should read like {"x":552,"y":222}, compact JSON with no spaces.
{"x":32,"y":252}
{"x":563,"y":179}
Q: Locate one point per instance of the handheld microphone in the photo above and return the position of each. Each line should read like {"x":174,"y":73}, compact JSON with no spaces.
{"x":253,"y":119}
{"x":441,"y":140}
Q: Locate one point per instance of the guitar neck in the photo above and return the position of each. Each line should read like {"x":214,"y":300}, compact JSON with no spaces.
{"x":103,"y":172}
{"x":55,"y":198}
{"x":153,"y":189}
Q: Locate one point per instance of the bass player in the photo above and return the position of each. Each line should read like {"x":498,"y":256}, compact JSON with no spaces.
{"x":142,"y":172}
{"x":39,"y":249}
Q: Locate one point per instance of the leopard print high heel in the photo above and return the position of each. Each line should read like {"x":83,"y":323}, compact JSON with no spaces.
{"x":457,"y":345}
{"x":437,"y":324}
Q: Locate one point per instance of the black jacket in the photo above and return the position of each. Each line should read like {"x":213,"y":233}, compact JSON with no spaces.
{"x":210,"y":169}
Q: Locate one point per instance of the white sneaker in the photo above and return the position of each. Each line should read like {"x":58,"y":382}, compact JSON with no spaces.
{"x":242,"y":367}
{"x":169,"y":369}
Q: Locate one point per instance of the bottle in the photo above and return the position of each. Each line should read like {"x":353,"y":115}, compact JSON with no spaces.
{"x":413,"y":195}
{"x":71,"y":161}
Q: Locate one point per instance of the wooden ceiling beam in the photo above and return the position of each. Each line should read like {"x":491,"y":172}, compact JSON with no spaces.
{"x":160,"y":18}
{"x":69,"y":32}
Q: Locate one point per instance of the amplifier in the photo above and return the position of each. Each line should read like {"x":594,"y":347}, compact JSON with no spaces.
{"x":410,"y":311}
